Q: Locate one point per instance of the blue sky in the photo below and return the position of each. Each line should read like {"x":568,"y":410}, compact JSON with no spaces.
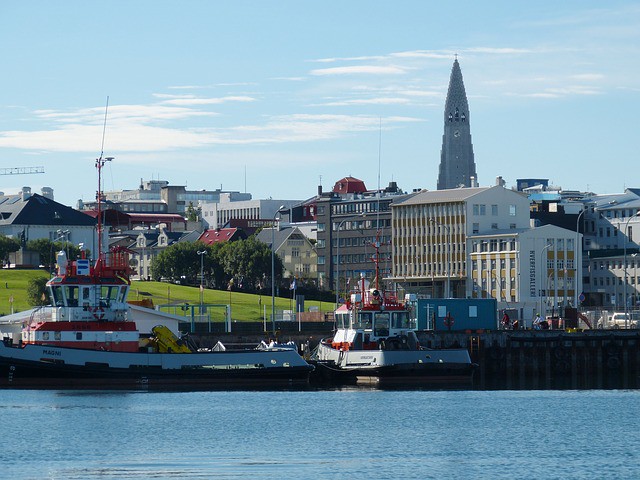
{"x":297,"y":91}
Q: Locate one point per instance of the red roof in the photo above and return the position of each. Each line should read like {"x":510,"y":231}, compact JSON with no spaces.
{"x":349,"y":185}
{"x":219,"y":235}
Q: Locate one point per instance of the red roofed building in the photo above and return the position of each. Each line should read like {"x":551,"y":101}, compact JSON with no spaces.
{"x":222,"y":235}
{"x":349,"y":185}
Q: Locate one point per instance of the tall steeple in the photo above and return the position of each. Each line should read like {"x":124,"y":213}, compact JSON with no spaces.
{"x":457,"y":167}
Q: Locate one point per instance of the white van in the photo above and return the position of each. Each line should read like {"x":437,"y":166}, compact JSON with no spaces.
{"x":617,"y":320}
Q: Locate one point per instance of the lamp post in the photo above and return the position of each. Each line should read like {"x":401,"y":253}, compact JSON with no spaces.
{"x":577,"y":258}
{"x":273,"y":269}
{"x":626,"y":237}
{"x":542,"y":266}
{"x":202,"y":253}
{"x":635,"y":278}
{"x":448,"y":284}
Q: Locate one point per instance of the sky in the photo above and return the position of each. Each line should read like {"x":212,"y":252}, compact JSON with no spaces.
{"x":277,"y":97}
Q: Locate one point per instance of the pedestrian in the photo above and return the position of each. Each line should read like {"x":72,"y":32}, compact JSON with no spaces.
{"x":537,"y":321}
{"x":506,"y":321}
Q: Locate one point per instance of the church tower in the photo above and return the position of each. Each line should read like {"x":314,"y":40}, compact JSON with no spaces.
{"x":457,"y":167}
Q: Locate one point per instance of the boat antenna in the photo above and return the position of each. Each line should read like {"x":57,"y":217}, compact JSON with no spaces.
{"x":99,"y":164}
{"x":377,"y":241}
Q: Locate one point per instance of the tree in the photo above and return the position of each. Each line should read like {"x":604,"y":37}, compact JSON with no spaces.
{"x":36,"y":291}
{"x":249,"y":263}
{"x":193,"y":213}
{"x":7,"y":246}
{"x":181,"y":262}
{"x":48,"y":250}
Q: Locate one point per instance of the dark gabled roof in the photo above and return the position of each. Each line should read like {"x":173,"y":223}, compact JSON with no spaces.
{"x":39,"y":210}
{"x":280,"y":235}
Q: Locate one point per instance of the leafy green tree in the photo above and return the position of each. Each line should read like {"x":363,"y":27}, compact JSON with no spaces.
{"x":7,"y":246}
{"x":181,"y":262}
{"x":248,"y":262}
{"x":48,"y":250}
{"x":36,"y":291}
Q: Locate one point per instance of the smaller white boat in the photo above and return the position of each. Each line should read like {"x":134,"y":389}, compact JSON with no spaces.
{"x":376,"y":343}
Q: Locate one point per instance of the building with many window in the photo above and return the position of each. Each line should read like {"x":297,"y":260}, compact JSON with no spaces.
{"x":431,"y":228}
{"x":351,"y":221}
{"x":237,"y":206}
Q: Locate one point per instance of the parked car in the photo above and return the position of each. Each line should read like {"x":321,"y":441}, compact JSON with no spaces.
{"x":617,"y":320}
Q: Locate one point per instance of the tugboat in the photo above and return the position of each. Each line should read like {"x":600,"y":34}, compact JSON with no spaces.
{"x":90,"y":340}
{"x":376,"y":343}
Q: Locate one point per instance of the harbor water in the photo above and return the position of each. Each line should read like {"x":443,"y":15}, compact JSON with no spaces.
{"x":351,"y":433}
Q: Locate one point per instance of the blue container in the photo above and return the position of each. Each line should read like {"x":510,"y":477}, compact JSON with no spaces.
{"x":457,"y":314}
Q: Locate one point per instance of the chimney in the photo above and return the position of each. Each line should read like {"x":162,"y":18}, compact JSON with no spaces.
{"x":26,"y":193}
{"x":319,"y":190}
{"x":500,"y":181}
{"x":47,"y":192}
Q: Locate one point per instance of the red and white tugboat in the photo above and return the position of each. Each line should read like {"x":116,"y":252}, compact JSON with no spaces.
{"x":90,"y":340}
{"x":376,"y":343}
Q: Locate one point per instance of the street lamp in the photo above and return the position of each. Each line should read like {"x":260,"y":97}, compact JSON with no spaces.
{"x":626,"y":237}
{"x":448,"y":290}
{"x":577,"y":258}
{"x":635,"y":279}
{"x":542,"y":266}
{"x":273,"y":269}
{"x":202,"y":253}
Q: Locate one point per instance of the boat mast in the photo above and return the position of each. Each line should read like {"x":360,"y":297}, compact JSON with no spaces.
{"x":99,"y":164}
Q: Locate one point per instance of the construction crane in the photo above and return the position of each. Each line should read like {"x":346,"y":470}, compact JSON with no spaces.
{"x":21,"y":170}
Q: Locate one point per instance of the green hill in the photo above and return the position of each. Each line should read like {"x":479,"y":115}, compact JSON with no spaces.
{"x":244,"y":306}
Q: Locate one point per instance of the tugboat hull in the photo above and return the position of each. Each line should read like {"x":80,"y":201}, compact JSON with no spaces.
{"x":379,"y":367}
{"x":38,"y":366}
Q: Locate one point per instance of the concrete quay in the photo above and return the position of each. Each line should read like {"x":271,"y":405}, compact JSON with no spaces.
{"x":519,"y":359}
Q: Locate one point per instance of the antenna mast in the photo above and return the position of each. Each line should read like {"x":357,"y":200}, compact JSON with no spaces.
{"x":99,"y":164}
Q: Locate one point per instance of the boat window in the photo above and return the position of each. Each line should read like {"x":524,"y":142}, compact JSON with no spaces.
{"x":342,"y":320}
{"x":85,"y":294}
{"x":123,"y":294}
{"x":71,"y":292}
{"x":108,"y":294}
{"x":56,"y":296}
{"x":363,"y":320}
{"x":400,"y":320}
{"x":382,"y":321}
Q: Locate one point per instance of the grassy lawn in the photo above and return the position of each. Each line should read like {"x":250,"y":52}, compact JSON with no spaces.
{"x":13,"y":284}
{"x":244,"y":306}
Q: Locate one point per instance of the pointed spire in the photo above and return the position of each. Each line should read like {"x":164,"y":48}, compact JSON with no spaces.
{"x":457,"y":166}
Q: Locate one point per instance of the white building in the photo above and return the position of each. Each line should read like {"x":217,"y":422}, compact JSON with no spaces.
{"x":233,"y":206}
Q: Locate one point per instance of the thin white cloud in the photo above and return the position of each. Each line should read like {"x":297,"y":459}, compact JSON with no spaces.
{"x":589,"y":77}
{"x":360,"y":69}
{"x":499,"y":50}
{"x":349,"y":59}
{"x":186,"y":101}
{"x":136,"y":128}
{"x":371,"y":101}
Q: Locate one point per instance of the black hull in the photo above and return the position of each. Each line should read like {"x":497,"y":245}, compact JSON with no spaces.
{"x":421,"y":374}
{"x":26,"y":374}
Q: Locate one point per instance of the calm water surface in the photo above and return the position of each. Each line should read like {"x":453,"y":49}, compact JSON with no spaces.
{"x":341,"y":434}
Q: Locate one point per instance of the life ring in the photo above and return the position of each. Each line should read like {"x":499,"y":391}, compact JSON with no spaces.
{"x":98,"y":313}
{"x":448,"y":320}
